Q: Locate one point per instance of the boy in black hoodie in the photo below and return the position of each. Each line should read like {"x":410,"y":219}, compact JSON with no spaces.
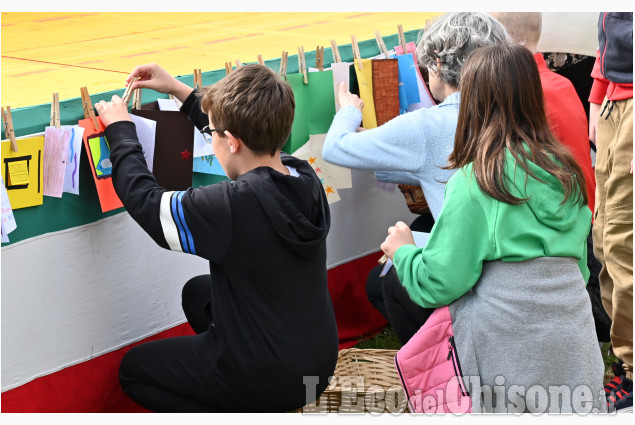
{"x":266,"y":333}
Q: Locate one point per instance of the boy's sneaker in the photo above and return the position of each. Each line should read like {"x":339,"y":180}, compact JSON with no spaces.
{"x":623,"y":399}
{"x":615,"y":384}
{"x":619,"y":391}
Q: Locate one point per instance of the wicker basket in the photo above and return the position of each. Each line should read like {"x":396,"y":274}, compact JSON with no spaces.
{"x":417,"y":203}
{"x":364,"y":381}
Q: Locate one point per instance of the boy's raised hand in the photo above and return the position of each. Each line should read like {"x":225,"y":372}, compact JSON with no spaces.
{"x":399,"y":234}
{"x":345,"y":98}
{"x":112,"y":111}
{"x":152,"y":76}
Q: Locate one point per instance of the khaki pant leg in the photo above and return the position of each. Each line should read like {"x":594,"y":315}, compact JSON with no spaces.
{"x":615,"y":134}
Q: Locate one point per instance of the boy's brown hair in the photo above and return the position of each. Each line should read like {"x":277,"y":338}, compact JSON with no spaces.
{"x":254,"y":104}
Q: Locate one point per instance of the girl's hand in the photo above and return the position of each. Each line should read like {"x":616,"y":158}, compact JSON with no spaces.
{"x":346,"y":98}
{"x":398,"y":235}
{"x":112,"y":111}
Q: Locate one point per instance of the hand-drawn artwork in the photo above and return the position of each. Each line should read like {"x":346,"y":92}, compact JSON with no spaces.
{"x":333,"y":177}
{"x":321,"y":169}
{"x":385,"y":89}
{"x":208,"y":164}
{"x":174,"y":135}
{"x":8,"y":220}
{"x":100,"y":155}
{"x":23,"y":171}
{"x":425,"y":97}
{"x":71,"y":172}
{"x":341,"y":72}
{"x":340,"y":176}
{"x":365,"y":82}
{"x":314,"y":107}
{"x":56,"y":142}
{"x":146,"y":133}
{"x":100,"y":162}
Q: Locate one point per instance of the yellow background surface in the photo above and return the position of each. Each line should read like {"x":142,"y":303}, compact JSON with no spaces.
{"x":60,"y":52}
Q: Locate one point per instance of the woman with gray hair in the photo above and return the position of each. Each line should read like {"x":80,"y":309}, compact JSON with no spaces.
{"x":414,"y":147}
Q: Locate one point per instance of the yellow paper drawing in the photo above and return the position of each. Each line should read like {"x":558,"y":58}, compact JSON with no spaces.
{"x":22,"y":171}
{"x":365,"y":81}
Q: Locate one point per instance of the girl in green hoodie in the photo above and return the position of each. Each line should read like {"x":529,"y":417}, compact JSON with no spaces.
{"x":508,"y":250}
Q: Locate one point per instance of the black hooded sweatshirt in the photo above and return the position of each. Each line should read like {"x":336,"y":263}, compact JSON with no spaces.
{"x":264,"y":236}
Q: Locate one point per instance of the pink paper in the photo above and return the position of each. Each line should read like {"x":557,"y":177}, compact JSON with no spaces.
{"x":56,"y":142}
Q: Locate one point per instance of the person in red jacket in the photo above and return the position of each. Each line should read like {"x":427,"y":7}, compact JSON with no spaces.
{"x":565,"y":112}
{"x":611,"y":129}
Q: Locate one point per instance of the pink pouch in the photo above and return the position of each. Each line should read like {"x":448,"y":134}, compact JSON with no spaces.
{"x":429,"y":368}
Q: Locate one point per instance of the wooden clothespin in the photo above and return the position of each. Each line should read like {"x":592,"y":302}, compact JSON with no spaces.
{"x":302,"y":64}
{"x":319,"y":58}
{"x":402,"y":38}
{"x":238,"y":63}
{"x":380,"y":43}
{"x":55,"y":111}
{"x":383,"y":259}
{"x":198,"y":79}
{"x":228,"y":68}
{"x":336,"y":52}
{"x":87,"y":104}
{"x":260,"y":60}
{"x":283,"y":63}
{"x":8,"y":128}
{"x":356,"y":54}
{"x":126,"y":94}
{"x":136,"y":99}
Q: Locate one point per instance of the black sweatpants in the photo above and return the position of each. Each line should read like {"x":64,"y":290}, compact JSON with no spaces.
{"x":166,"y":375}
{"x":391,"y":299}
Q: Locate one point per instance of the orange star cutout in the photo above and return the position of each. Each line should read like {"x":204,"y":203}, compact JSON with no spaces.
{"x":328,"y":190}
{"x":311,"y":160}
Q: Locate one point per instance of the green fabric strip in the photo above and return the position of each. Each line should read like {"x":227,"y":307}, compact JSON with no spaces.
{"x":72,"y":210}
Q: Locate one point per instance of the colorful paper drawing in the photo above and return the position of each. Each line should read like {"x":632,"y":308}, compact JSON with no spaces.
{"x":341,"y":176}
{"x":425,"y":97}
{"x":365,"y":81}
{"x":385,"y":89}
{"x":341,"y":72}
{"x":108,"y":198}
{"x":146,"y":132}
{"x":208,"y":164}
{"x":56,"y":141}
{"x":321,"y":170}
{"x":408,"y":81}
{"x":8,"y":220}
{"x":23,"y":171}
{"x":71,"y":171}
{"x":100,"y":155}
{"x":314,"y":107}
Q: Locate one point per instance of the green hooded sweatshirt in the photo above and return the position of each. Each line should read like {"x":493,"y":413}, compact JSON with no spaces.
{"x":473,"y":227}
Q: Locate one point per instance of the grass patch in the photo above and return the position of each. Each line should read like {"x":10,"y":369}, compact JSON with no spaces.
{"x":386,"y":340}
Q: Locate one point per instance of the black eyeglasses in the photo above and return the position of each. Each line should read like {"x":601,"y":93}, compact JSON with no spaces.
{"x":207,"y":133}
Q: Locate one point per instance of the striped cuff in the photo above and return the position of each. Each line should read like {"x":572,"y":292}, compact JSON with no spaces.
{"x":175,"y":229}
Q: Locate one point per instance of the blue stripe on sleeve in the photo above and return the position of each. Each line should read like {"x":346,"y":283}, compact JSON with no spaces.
{"x":190,"y":239}
{"x":177,"y":220}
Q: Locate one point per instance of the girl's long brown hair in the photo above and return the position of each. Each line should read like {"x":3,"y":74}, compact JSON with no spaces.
{"x":501,"y":107}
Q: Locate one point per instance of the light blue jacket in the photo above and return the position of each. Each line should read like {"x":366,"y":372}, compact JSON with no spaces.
{"x":409,"y":149}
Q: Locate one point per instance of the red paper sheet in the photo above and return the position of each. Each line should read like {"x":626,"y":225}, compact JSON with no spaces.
{"x":105,"y":190}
